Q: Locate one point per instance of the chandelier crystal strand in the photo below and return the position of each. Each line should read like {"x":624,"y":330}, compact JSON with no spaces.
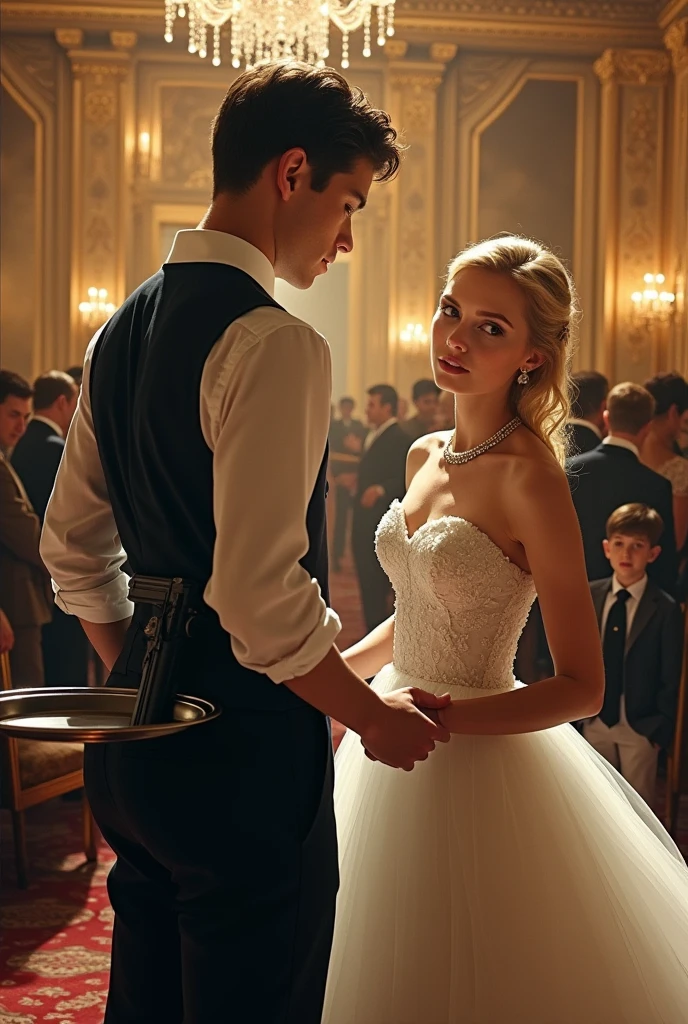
{"x":390,"y":19}
{"x":345,"y":50}
{"x":278,"y":28}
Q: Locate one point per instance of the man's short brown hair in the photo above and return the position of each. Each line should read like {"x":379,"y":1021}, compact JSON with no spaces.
{"x":630,"y":408}
{"x":50,"y":386}
{"x":281,"y":105}
{"x":636,"y":520}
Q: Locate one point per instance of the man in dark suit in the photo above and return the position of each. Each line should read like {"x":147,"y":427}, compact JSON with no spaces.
{"x":612,"y":475}
{"x":36,"y":459}
{"x":586,"y":425}
{"x":37,"y":455}
{"x":425,"y":395}
{"x":642,"y":631}
{"x":346,"y":443}
{"x":381,"y":478}
{"x":24,"y":582}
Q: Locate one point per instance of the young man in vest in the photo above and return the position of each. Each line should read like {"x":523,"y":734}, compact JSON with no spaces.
{"x":226,"y":875}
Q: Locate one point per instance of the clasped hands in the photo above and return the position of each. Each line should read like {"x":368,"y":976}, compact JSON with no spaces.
{"x":407,"y":728}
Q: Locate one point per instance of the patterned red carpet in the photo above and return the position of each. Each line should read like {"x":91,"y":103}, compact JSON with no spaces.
{"x":55,"y":937}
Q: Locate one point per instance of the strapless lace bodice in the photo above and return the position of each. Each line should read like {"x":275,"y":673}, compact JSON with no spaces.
{"x":460,"y":604}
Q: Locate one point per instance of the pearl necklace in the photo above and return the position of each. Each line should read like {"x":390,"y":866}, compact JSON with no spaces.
{"x":458,"y":458}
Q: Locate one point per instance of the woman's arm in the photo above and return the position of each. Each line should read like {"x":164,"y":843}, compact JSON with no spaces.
{"x":543,"y":520}
{"x":367,"y":657}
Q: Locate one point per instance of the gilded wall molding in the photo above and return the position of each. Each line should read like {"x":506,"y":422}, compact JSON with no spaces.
{"x":100,"y":154}
{"x":670,"y":11}
{"x":38,"y":60}
{"x":676,"y":41}
{"x":632,"y":199}
{"x":633,"y":67}
{"x":413,"y":281}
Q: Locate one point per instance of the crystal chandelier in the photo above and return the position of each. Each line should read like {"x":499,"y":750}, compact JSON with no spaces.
{"x":274,"y":29}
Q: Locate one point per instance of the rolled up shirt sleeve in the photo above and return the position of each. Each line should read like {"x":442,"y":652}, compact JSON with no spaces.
{"x":80,"y":544}
{"x":265,"y":413}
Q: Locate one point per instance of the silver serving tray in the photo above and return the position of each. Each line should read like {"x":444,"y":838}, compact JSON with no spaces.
{"x":81,"y":714}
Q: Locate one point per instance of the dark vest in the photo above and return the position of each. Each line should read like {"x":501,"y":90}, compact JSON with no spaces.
{"x":145,"y":396}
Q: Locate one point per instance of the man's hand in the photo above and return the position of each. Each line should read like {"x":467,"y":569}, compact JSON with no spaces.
{"x":372,"y":495}
{"x":6,"y":634}
{"x":402,"y":734}
{"x":353,"y":443}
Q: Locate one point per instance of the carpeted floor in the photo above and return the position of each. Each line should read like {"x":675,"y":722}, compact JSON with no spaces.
{"x":55,"y":937}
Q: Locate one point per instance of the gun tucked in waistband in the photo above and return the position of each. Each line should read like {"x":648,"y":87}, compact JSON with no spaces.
{"x":174,"y":602}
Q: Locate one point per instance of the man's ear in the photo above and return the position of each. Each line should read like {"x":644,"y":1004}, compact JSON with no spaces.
{"x":655,"y":552}
{"x":293,"y":171}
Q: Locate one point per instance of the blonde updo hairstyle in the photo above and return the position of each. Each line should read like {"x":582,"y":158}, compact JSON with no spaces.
{"x":542,"y":404}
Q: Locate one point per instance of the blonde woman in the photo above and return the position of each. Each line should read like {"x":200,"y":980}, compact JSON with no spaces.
{"x":513,"y":877}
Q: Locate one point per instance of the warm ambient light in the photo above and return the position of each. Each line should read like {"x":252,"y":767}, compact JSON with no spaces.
{"x":97,"y":310}
{"x":295,"y":29}
{"x":413,"y":339}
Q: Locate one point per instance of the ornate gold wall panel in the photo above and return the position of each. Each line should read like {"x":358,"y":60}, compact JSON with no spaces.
{"x":414,"y":280}
{"x":102,"y":150}
{"x":632,"y":237}
{"x":676,"y":40}
{"x":33,"y":75}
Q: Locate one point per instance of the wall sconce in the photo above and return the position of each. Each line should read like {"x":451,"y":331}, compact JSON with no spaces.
{"x":652,"y":306}
{"x":97,"y":310}
{"x":652,"y":309}
{"x":413,"y":339}
{"x":144,"y":153}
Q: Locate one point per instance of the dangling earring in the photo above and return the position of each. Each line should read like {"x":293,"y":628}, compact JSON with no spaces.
{"x":523,"y":377}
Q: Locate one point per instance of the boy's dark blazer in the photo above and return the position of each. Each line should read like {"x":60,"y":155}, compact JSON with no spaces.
{"x":652,"y":666}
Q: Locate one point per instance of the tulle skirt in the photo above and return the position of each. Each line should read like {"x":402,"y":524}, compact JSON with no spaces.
{"x":506,"y":880}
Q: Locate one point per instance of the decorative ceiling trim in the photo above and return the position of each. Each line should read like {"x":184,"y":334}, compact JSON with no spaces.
{"x":561,"y":11}
{"x":574,"y":25}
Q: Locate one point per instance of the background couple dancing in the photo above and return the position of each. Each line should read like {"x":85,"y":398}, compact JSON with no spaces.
{"x":510,"y":877}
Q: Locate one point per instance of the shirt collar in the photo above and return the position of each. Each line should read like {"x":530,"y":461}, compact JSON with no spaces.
{"x":388,"y":423}
{"x":575,"y":422}
{"x":49,"y":423}
{"x":198,"y":245}
{"x":621,"y":442}
{"x":636,"y":590}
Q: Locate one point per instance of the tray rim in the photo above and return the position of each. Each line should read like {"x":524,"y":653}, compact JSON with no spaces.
{"x":92,"y":734}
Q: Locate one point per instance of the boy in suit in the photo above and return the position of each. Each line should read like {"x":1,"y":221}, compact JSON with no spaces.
{"x":642,"y":633}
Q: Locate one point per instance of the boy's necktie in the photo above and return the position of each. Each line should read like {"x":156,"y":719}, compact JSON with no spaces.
{"x":613,"y":648}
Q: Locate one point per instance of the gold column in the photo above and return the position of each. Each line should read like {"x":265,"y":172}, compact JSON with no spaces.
{"x":102,"y":147}
{"x":676,"y":39}
{"x":415,"y":280}
{"x":631,"y":201}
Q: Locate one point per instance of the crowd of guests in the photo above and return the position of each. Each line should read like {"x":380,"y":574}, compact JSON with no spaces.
{"x":628,"y":473}
{"x":46,"y":646}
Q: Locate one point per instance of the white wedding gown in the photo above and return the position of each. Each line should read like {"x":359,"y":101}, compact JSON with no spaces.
{"x":507,"y":879}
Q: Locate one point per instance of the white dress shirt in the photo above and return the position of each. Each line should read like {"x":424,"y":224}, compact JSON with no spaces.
{"x":49,"y":423}
{"x":636,"y":590}
{"x":372,"y":437}
{"x":621,"y":442}
{"x":265,"y":414}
